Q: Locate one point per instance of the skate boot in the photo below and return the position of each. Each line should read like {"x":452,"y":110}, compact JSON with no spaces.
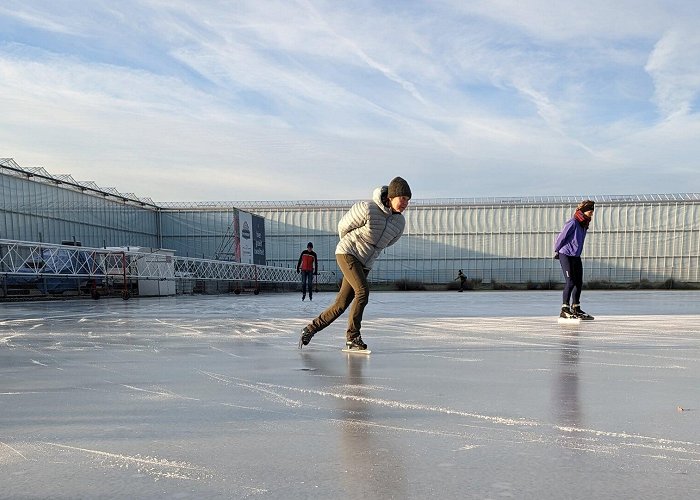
{"x":303,"y":297}
{"x":305,"y":337}
{"x":576,"y":309}
{"x":566,"y":312}
{"x":356,"y":344}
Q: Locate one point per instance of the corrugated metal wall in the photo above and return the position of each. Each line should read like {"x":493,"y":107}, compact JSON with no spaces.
{"x":41,"y":212}
{"x":205,"y":234}
{"x":636,"y":238}
{"x":508,"y":242}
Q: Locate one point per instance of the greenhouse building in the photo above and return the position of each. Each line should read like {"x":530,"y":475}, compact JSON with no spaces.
{"x":634,"y":239}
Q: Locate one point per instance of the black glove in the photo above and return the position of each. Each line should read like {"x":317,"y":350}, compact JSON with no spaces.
{"x":297,"y":271}
{"x":556,"y":255}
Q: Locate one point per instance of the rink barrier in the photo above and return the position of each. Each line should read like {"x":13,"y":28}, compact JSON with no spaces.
{"x":23,"y":262}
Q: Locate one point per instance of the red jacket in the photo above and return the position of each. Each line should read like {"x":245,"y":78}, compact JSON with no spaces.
{"x":308,"y":261}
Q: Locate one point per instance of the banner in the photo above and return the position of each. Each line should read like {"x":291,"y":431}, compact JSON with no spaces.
{"x":245,"y":222}
{"x":259,"y":240}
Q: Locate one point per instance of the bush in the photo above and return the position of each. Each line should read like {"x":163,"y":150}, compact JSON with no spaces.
{"x":544,"y":285}
{"x":645,"y":285}
{"x":497,"y":285}
{"x":600,"y":285}
{"x":409,"y":285}
{"x":472,"y":284}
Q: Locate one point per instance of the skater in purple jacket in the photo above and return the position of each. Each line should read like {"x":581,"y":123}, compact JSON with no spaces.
{"x":567,"y":248}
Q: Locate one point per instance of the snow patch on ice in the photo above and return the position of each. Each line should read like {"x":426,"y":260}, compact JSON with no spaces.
{"x":153,"y":466}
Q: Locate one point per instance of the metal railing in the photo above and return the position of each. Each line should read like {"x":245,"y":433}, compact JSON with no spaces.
{"x":435,"y":202}
{"x":35,"y":260}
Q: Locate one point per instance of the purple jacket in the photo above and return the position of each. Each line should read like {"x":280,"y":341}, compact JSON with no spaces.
{"x":570,"y":240}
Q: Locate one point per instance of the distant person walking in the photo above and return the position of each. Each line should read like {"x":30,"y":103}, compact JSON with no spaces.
{"x":462,"y":280}
{"x":308,"y":266}
{"x":567,"y":248}
{"x":365,"y":230}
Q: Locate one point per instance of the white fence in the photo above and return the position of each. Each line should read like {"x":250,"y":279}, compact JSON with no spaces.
{"x":22,"y":262}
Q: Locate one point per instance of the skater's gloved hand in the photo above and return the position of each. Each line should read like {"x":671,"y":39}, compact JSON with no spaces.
{"x":297,"y":271}
{"x":556,"y":255}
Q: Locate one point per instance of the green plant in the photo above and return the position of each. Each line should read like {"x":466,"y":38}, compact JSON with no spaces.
{"x":408,"y":285}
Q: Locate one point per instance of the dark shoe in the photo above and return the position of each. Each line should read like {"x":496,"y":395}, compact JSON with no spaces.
{"x":566,"y":312}
{"x":580,"y":313}
{"x":305,"y":337}
{"x":303,"y":297}
{"x":356,"y":344}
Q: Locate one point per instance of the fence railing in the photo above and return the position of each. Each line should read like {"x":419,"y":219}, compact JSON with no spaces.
{"x":27,"y":260}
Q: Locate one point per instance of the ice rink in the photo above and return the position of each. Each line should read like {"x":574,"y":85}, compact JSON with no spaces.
{"x":465,"y":395}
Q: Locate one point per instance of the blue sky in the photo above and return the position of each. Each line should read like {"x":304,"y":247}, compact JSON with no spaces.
{"x":280,"y":100}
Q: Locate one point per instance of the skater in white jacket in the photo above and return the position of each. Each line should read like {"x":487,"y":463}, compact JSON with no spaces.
{"x":365,"y":230}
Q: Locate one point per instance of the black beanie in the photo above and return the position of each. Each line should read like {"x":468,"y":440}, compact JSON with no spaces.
{"x":399,"y":187}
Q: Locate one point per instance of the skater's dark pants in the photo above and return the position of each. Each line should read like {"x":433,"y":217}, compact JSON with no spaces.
{"x":307,"y":281}
{"x":573,"y":273}
{"x":353,"y":290}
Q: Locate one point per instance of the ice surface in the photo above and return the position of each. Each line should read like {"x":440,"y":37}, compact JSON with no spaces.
{"x":465,"y":395}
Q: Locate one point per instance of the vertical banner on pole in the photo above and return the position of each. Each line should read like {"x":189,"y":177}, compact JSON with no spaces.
{"x":245,"y":221}
{"x":259,"y":240}
{"x":236,"y":236}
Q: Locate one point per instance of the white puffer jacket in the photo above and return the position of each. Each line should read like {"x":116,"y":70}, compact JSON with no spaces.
{"x":368,"y":228}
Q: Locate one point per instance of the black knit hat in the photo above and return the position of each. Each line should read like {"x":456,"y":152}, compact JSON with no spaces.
{"x":399,"y":187}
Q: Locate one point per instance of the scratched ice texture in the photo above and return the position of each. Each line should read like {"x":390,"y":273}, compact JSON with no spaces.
{"x":465,"y":395}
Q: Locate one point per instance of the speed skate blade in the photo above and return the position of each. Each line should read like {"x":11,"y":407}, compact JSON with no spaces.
{"x":569,"y":321}
{"x":357,"y":351}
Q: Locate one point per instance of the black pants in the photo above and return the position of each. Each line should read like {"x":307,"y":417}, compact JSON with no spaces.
{"x":307,"y":281}
{"x":573,"y":274}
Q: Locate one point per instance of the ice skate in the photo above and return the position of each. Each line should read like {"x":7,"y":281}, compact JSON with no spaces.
{"x":581,"y":314}
{"x":305,"y":337}
{"x":567,"y":316}
{"x":356,"y":345}
{"x":566,"y":312}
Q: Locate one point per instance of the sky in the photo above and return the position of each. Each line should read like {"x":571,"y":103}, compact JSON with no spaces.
{"x":309,"y":100}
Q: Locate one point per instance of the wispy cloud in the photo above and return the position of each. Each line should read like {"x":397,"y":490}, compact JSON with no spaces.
{"x":319,"y":99}
{"x":674,"y":66}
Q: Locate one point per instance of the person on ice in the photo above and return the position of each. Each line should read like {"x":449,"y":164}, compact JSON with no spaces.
{"x":308,"y":264}
{"x":462,"y":280}
{"x":365,"y":230}
{"x":567,"y":248}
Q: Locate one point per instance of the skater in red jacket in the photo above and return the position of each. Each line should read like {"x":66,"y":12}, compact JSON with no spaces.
{"x":308,"y":266}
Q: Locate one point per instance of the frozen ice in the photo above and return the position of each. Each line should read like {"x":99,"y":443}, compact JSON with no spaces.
{"x":465,"y":395}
